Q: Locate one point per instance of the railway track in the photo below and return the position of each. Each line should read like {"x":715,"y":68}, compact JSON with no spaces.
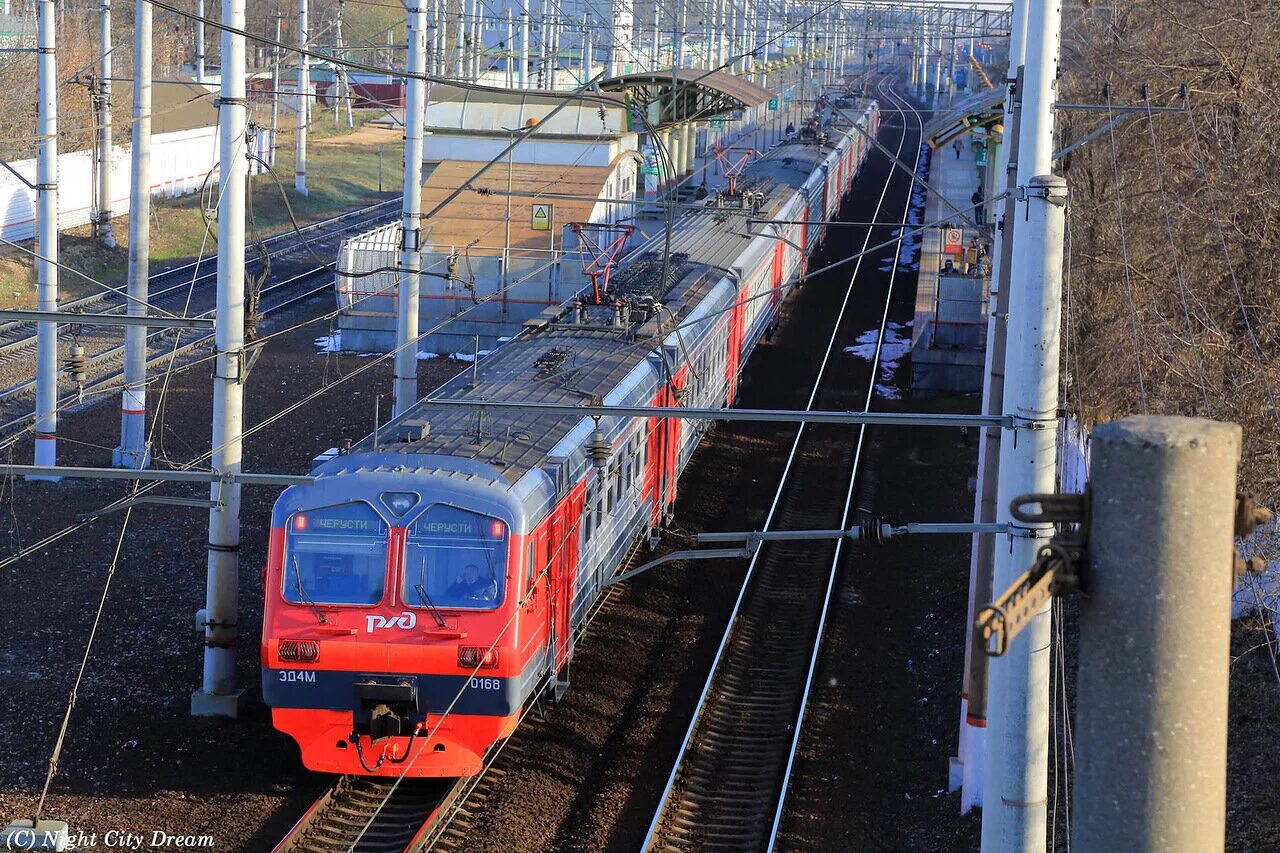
{"x":727,"y":787}
{"x":171,"y":286}
{"x":180,"y":290}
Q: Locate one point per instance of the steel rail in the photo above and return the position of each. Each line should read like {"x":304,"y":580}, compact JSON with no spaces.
{"x":76,"y":305}
{"x":798,"y":727}
{"x":667,"y":800}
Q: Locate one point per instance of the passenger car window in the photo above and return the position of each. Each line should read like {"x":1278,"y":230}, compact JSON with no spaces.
{"x":335,"y":555}
{"x":455,"y":558}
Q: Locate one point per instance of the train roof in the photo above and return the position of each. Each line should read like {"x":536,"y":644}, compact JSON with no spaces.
{"x":560,"y":359}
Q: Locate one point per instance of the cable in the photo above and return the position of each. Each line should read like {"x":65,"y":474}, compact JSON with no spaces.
{"x":1124,"y":249}
{"x":1177,"y":263}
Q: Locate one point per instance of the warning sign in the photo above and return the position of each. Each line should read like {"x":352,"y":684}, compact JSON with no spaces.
{"x":954,"y":241}
{"x":541,"y":217}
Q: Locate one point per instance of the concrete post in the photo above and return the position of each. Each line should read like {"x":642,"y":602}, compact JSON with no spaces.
{"x":973,"y":700}
{"x":509,"y":53}
{"x":46,"y":423}
{"x":200,"y":78}
{"x":275,"y":93}
{"x":524,"y":50}
{"x":687,"y":136}
{"x":459,"y":41}
{"x":477,"y":41}
{"x":587,"y":59}
{"x":406,"y":359}
{"x":655,"y":53}
{"x":132,"y":452}
{"x":1016,"y":765}
{"x":106,"y":138}
{"x":218,"y":696}
{"x":304,"y":101}
{"x":1155,"y":637}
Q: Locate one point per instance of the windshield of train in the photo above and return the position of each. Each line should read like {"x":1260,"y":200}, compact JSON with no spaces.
{"x":336,"y":555}
{"x":455,"y":558}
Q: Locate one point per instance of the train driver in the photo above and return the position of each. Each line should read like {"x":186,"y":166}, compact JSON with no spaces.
{"x":471,"y":587}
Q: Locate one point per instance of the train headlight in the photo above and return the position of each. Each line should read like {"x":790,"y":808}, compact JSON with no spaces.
{"x":302,"y":651}
{"x":477,"y":657}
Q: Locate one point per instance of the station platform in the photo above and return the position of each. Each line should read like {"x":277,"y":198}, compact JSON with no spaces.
{"x":949,"y":332}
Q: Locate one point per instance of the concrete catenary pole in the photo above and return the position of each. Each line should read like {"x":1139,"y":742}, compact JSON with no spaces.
{"x":46,"y":423}
{"x":200,"y":75}
{"x":973,"y":699}
{"x":406,"y":361}
{"x":509,"y":52}
{"x":218,"y":695}
{"x":1155,"y":638}
{"x":275,"y":92}
{"x":460,"y":41}
{"x":587,"y":59}
{"x":524,"y":49}
{"x":105,"y":136}
{"x":1016,"y":768}
{"x":132,"y":452}
{"x":304,"y":102}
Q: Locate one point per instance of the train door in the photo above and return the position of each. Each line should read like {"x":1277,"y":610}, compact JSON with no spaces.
{"x":537,"y":590}
{"x":565,"y":532}
{"x":734,"y":356}
{"x":775,"y":278}
{"x":653,"y":460}
{"x":804,"y":238}
{"x":674,"y":432}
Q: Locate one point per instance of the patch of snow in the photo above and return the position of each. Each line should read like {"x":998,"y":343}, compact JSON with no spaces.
{"x":330,"y":343}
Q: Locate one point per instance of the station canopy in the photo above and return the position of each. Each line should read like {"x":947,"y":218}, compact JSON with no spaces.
{"x":674,"y":95}
{"x":981,"y":109}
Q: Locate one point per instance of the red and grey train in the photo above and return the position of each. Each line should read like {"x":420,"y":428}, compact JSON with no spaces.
{"x":429,"y":581}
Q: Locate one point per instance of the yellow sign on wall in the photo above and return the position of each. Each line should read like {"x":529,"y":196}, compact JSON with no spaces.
{"x":541,"y":217}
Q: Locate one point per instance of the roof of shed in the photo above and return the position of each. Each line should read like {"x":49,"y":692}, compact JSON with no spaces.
{"x":478,"y":219}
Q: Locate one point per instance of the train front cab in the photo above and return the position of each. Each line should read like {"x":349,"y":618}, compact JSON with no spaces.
{"x":391,"y":612}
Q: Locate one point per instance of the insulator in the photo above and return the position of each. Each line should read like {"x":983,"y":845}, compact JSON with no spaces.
{"x":77,"y":364}
{"x":599,"y":449}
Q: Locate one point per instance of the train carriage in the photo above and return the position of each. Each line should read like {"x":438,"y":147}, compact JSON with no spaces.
{"x":434,"y":576}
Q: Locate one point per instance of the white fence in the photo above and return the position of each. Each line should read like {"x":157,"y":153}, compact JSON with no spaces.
{"x":181,"y":162}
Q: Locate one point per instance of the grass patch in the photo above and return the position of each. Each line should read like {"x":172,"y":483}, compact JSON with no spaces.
{"x":342,"y":173}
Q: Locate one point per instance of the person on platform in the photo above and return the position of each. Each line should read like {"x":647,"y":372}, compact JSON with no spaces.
{"x":959,"y":147}
{"x":977,"y":200}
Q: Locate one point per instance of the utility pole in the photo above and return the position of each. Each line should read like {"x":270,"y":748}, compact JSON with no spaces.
{"x":46,"y":423}
{"x":406,"y":361}
{"x":1016,"y":768}
{"x":621,"y":36}
{"x":524,"y":49}
{"x":105,"y":136}
{"x":1155,"y":638}
{"x":304,"y":102}
{"x":337,"y":69}
{"x":200,"y":77}
{"x":218,"y":695}
{"x":275,"y":92}
{"x":133,"y":452}
{"x":459,"y":40}
{"x":973,"y":699}
{"x":587,"y":59}
{"x":510,"y":51}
